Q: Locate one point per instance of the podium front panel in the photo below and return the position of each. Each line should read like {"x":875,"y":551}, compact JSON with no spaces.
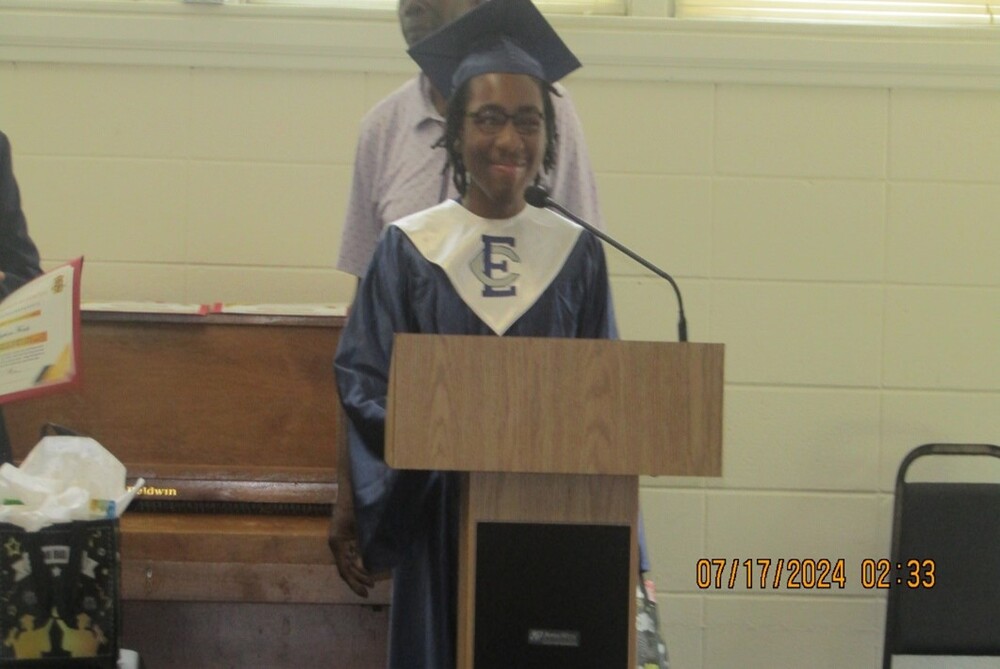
{"x":548,"y":537}
{"x":552,"y":595}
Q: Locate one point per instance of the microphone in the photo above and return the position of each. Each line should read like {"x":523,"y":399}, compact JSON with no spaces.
{"x":538,"y":196}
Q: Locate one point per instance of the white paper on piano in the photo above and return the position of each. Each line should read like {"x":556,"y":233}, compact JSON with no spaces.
{"x":147,"y":307}
{"x":284,"y":309}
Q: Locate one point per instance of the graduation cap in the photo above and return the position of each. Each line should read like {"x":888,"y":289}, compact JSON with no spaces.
{"x":509,"y":36}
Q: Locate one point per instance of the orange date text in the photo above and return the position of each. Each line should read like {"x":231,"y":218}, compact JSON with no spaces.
{"x":771,"y":574}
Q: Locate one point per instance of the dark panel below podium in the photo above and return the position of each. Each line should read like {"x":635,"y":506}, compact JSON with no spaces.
{"x":552,"y":595}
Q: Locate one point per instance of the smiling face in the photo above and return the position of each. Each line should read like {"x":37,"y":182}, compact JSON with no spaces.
{"x":419,"y":18}
{"x":501,"y":155}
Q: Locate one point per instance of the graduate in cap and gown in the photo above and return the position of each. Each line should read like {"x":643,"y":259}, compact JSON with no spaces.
{"x":486,"y":264}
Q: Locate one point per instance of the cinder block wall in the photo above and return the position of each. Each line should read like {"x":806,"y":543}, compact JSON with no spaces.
{"x":839,"y":238}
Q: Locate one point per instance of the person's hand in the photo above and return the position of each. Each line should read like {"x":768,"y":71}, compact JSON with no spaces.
{"x":343,"y":541}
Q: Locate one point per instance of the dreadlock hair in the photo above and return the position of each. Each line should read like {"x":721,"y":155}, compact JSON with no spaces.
{"x":454,"y":121}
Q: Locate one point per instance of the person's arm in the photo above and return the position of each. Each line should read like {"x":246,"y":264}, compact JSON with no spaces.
{"x":343,"y":533}
{"x":572,"y":184}
{"x":358,"y":238}
{"x":19,"y":262}
{"x":389,"y":504}
{"x":362,"y":225}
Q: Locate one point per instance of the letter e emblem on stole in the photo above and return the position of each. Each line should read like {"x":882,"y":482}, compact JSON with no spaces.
{"x":497,"y":280}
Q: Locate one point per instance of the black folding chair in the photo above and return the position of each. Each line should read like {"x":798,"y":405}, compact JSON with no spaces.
{"x":944,"y":571}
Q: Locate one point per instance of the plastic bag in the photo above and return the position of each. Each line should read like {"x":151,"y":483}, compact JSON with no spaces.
{"x":64,"y":478}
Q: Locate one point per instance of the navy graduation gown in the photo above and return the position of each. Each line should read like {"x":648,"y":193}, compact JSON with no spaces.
{"x":408,"y":520}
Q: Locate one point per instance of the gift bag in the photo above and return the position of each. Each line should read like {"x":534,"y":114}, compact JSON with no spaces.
{"x":60,"y":594}
{"x":651,"y":651}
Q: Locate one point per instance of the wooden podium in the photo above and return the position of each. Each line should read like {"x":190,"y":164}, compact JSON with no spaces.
{"x":552,"y":433}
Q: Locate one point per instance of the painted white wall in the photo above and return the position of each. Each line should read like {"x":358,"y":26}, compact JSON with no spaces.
{"x":826,"y":198}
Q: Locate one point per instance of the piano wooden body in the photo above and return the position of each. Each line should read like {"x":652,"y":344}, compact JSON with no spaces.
{"x":232,"y":420}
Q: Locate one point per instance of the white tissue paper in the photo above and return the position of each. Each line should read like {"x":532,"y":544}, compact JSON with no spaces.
{"x":64,"y":479}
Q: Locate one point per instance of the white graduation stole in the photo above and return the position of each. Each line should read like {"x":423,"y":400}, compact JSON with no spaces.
{"x":499,"y":267}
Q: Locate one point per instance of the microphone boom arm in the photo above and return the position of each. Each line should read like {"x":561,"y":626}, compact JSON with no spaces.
{"x":681,"y":321}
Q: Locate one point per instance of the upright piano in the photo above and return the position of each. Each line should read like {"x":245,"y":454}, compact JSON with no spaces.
{"x":232,"y":420}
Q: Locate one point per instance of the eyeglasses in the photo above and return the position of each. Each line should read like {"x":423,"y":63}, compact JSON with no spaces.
{"x":491,"y":120}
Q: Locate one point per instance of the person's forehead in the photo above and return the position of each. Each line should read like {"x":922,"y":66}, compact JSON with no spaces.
{"x":514,"y":90}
